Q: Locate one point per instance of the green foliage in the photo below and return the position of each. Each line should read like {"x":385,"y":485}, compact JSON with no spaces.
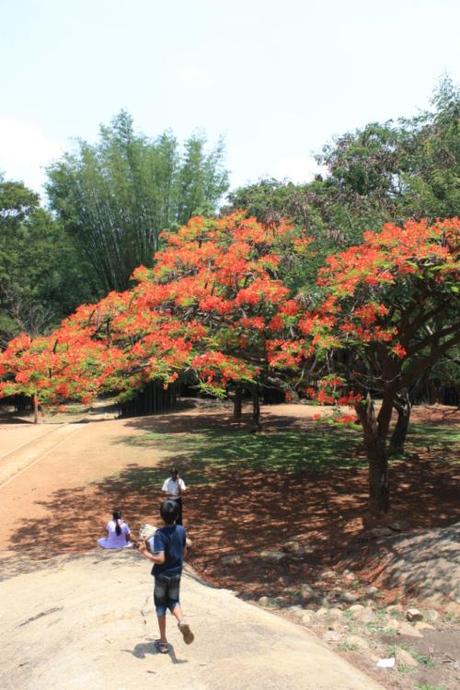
{"x":116,"y":196}
{"x":41,"y":279}
{"x":383,"y":172}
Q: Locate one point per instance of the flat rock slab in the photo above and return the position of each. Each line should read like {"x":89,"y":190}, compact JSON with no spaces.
{"x":87,"y":622}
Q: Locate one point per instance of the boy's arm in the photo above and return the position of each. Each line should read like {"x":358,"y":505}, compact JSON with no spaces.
{"x":158,"y":557}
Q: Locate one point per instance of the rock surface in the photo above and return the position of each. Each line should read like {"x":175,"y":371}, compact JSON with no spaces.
{"x":87,"y":622}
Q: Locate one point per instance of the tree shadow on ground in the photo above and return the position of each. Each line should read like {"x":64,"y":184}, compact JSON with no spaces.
{"x":247,"y":493}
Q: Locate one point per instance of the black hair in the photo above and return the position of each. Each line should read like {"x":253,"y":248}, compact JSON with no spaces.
{"x":117,"y":517}
{"x":169,"y":511}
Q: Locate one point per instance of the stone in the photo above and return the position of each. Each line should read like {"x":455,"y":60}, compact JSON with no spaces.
{"x":297,"y":611}
{"x":364,"y":615}
{"x":392,"y":624}
{"x":331,"y":636}
{"x":294,"y":547}
{"x":413,"y":615}
{"x":306,"y":592}
{"x":267,"y":602}
{"x":349,"y":597}
{"x":371,"y":591}
{"x":327,"y":575}
{"x":322,"y":613}
{"x":409,"y":630}
{"x":307,"y":617}
{"x":357,"y":642}
{"x":335,"y":613}
{"x":403,"y":658}
{"x":233,"y":559}
{"x":274,"y":556}
{"x":432,"y":615}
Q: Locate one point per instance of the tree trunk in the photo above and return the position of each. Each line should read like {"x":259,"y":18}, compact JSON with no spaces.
{"x":375,"y":443}
{"x":238,"y":404}
{"x":403,"y":407}
{"x":256,"y":410}
{"x":35,"y":400}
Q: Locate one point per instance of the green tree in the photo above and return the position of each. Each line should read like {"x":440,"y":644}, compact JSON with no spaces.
{"x":41,"y":277}
{"x":116,"y":196}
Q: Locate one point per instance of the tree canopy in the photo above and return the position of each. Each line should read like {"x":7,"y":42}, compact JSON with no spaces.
{"x":114,"y":197}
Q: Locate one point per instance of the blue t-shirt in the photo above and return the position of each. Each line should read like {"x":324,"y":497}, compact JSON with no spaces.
{"x":171,"y":540}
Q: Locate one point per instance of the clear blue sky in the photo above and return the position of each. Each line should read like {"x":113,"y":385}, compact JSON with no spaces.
{"x":277,"y":78}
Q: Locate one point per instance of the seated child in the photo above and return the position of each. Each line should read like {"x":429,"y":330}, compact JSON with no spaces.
{"x":118,"y":533}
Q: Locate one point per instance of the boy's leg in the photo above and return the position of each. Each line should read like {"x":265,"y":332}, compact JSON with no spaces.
{"x":162,"y":626}
{"x":160,"y":598}
{"x":176,"y":610}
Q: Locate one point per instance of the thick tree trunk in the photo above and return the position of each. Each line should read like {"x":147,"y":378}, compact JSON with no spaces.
{"x":36,"y":416}
{"x":238,"y":404}
{"x":379,"y":486}
{"x":375,"y":443}
{"x":256,"y":410}
{"x":403,"y":407}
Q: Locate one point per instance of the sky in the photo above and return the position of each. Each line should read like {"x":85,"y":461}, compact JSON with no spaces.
{"x":277,"y":79}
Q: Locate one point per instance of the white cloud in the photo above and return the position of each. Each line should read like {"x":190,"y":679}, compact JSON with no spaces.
{"x":25,"y":151}
{"x":297,"y":167}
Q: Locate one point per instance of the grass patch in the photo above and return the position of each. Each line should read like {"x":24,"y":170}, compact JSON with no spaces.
{"x":435,"y":438}
{"x":316,"y":450}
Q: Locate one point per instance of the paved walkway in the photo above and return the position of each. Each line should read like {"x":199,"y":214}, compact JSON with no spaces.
{"x":87,"y":622}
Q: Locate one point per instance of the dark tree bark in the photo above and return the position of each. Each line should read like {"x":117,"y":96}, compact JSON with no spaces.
{"x":35,"y":400}
{"x":403,"y":407}
{"x":256,"y":410}
{"x":238,"y":403}
{"x":375,"y":431}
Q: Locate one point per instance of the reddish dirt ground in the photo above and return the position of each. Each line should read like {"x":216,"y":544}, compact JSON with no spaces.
{"x":60,"y":505}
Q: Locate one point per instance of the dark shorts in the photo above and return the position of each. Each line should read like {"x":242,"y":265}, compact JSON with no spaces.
{"x":166,"y":593}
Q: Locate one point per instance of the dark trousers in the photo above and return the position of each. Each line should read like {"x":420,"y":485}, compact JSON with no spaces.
{"x":178,"y":502}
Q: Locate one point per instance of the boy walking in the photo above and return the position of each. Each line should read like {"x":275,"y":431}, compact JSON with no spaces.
{"x":167,"y":550}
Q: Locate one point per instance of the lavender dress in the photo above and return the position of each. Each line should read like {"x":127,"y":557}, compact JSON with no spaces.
{"x":114,"y":540}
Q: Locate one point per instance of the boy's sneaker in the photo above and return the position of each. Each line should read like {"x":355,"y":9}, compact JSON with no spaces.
{"x":186,"y":632}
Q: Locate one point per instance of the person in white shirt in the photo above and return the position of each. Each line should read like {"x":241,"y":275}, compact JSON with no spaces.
{"x":174,"y":487}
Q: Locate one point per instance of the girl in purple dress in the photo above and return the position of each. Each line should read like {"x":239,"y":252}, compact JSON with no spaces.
{"x":118,"y":533}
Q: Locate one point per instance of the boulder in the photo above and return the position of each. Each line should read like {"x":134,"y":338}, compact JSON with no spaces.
{"x":267,"y":602}
{"x":413,"y":615}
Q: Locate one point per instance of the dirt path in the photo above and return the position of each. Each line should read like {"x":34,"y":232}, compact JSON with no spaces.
{"x":83,"y":454}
